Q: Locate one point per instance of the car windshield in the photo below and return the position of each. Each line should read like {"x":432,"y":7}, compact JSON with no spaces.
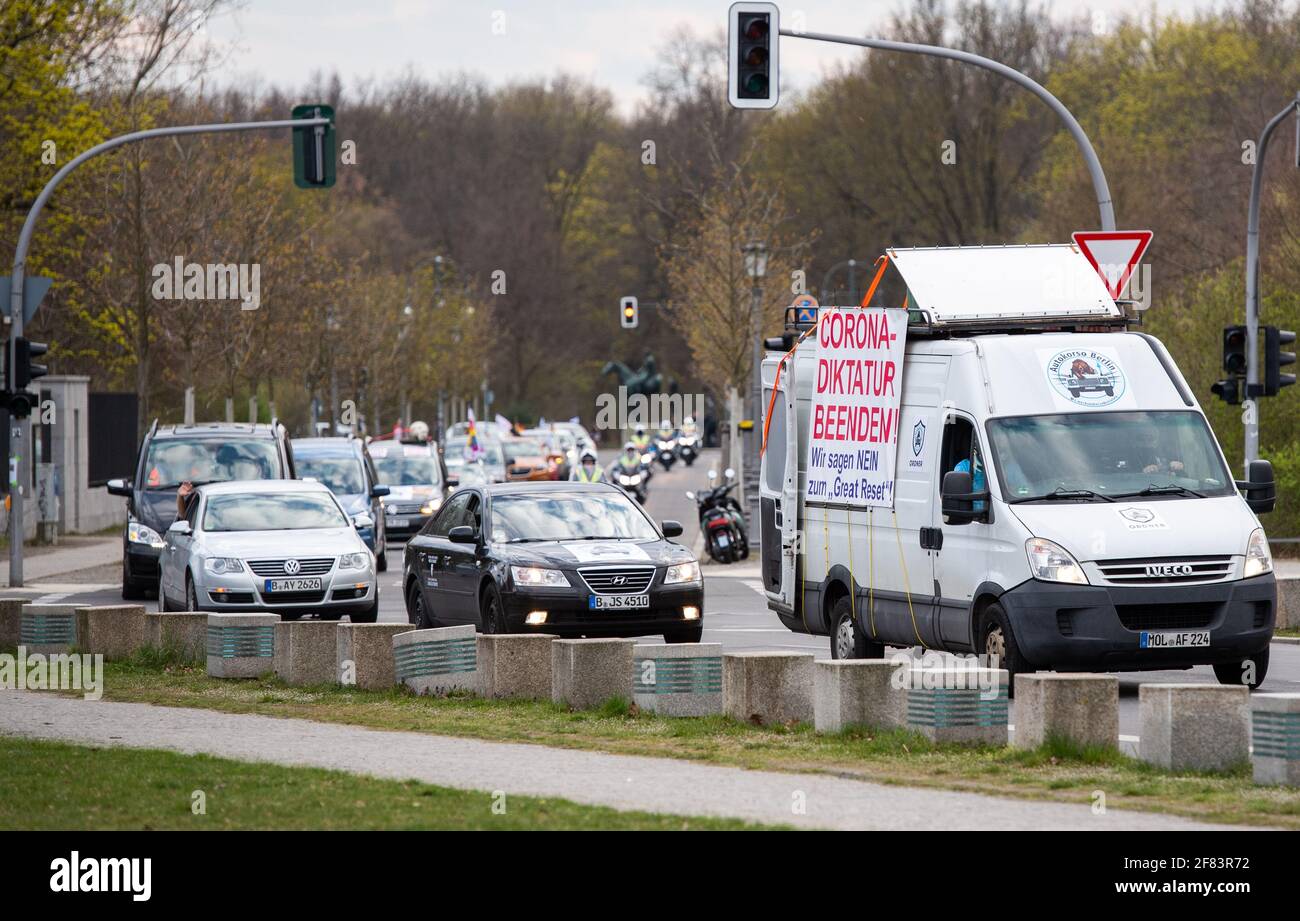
{"x":456,"y":448}
{"x":294,"y":511}
{"x":524,"y":447}
{"x":569,"y":516}
{"x":407,"y":470}
{"x":341,"y":474}
{"x":1088,"y":457}
{"x":172,"y":461}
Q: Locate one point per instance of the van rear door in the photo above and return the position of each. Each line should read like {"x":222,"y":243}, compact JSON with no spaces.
{"x":779,"y":490}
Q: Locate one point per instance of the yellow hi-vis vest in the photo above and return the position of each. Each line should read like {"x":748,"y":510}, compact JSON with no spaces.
{"x":596,"y":474}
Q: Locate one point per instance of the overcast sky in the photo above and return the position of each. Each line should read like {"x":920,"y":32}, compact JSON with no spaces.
{"x":611,"y":42}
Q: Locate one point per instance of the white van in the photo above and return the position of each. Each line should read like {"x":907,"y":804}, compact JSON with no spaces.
{"x":1093,"y":523}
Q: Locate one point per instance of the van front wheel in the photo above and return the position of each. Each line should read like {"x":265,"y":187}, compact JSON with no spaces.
{"x":847,"y":639}
{"x":997,"y":640}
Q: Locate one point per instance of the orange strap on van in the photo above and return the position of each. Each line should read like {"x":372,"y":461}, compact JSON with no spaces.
{"x":881,"y":264}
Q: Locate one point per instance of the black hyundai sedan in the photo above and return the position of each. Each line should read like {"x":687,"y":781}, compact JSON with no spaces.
{"x":573,"y":559}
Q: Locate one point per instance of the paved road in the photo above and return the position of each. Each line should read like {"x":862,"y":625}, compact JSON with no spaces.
{"x":625,"y":782}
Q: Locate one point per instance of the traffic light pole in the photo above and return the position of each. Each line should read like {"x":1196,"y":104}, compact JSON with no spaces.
{"x":20,"y":454}
{"x":1100,"y":188}
{"x":1250,"y":420}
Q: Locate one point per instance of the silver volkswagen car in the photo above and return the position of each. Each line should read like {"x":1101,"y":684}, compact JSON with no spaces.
{"x":272,"y":546}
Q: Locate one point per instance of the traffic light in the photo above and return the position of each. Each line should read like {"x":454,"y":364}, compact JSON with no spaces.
{"x":313,"y":149}
{"x":17,"y":400}
{"x":628,"y":312}
{"x":1275,"y":359}
{"x":1229,"y":391}
{"x":753,"y":37}
{"x":1234,"y":349}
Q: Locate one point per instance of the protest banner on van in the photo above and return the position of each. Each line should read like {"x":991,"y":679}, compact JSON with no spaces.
{"x":854,"y":418}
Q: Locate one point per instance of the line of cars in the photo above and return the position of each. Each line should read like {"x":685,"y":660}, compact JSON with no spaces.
{"x":239,"y":517}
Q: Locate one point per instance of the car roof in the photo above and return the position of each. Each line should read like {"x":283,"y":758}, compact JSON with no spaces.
{"x":339,"y":446}
{"x":213,"y":429}
{"x":543,"y":487}
{"x":392,"y":447}
{"x":260,"y":487}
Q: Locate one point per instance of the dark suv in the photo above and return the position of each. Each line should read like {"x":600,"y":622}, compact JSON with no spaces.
{"x":170,"y":455}
{"x":344,"y":465}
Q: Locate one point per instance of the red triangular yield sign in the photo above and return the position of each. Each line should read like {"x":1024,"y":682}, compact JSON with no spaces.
{"x":1113,"y":253}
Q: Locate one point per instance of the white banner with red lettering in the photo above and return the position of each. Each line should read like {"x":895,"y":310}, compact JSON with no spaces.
{"x":856,"y":397}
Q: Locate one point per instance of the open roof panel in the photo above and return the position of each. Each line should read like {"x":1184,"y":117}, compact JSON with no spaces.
{"x":989,"y":286}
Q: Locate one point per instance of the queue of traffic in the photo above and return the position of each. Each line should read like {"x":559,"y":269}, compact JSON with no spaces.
{"x":510,"y":531}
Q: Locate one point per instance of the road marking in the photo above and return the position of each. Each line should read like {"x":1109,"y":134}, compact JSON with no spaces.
{"x":748,"y":630}
{"x":50,"y":599}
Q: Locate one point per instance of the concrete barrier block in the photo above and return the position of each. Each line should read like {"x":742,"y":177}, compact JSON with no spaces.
{"x":1079,"y":708}
{"x":677,"y":679}
{"x":1275,"y":738}
{"x":586,"y":673}
{"x":958,"y":704}
{"x":364,"y":655}
{"x":768,"y":687}
{"x":306,"y":651}
{"x":11,"y":621}
{"x":182,"y":633}
{"x":1194,"y":727}
{"x":114,"y":631}
{"x":241,"y":645}
{"x":516,"y":665}
{"x":1288,"y":604}
{"x":438,"y":660}
{"x":48,"y":628}
{"x":858,"y":692}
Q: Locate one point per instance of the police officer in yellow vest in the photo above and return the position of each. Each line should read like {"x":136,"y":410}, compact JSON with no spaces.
{"x":641,"y":438}
{"x":588,"y":470}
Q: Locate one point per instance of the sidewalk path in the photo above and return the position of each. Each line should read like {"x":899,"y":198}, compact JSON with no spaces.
{"x":620,"y":781}
{"x":76,"y":553}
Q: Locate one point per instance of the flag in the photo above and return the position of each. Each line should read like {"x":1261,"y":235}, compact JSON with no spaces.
{"x":473,"y":450}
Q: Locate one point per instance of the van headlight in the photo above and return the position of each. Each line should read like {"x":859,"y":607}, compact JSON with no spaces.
{"x":682,"y":572}
{"x":1258,"y":559}
{"x":223,"y":565}
{"x":538,"y":577}
{"x":1051,"y":562}
{"x":138,"y":533}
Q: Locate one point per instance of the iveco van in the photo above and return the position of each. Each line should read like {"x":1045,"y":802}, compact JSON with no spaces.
{"x":1059,"y":499}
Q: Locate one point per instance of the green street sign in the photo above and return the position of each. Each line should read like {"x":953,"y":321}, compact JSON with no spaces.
{"x":314,"y":152}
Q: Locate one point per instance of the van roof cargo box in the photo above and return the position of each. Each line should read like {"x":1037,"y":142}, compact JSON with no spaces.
{"x":963,"y":288}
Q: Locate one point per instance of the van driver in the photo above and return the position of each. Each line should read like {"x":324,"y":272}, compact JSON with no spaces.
{"x":1150,"y":458}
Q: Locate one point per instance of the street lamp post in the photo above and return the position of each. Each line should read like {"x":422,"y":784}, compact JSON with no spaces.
{"x":756,"y":268}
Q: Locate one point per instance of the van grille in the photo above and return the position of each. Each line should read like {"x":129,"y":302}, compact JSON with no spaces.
{"x":1166,"y":570}
{"x":1194,"y":616}
{"x":314,"y":566}
{"x":621,"y":580}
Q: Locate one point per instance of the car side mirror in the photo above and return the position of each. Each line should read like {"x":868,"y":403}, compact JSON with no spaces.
{"x":379,"y":490}
{"x":1259,"y":487}
{"x":362,"y":521}
{"x":958,"y":499}
{"x":180,"y":528}
{"x":462,"y":534}
{"x":671,"y":528}
{"x":119,"y":488}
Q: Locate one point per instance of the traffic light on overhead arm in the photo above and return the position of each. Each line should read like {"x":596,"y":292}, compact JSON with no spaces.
{"x":753,"y":38}
{"x":628,"y":311}
{"x":313,"y":149}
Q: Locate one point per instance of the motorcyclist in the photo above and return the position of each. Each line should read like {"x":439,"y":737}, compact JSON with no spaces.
{"x":587,"y":470}
{"x":640,"y":439}
{"x":628,"y":463}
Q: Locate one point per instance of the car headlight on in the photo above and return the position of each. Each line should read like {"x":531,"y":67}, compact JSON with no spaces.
{"x":1050,"y":562}
{"x":430,"y":507}
{"x":537,"y":577}
{"x":354,"y":561}
{"x":682,"y":572}
{"x":223,"y":565}
{"x":138,"y":533}
{"x":1258,"y":558}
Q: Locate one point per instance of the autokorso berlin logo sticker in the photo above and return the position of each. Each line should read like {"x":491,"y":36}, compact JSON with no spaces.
{"x":1086,"y":377}
{"x":918,"y":437}
{"x":1141,"y":519}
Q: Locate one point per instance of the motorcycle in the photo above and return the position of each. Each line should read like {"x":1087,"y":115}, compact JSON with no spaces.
{"x":721,"y":520}
{"x":633,"y":483}
{"x":687,"y":449}
{"x":665,"y":452}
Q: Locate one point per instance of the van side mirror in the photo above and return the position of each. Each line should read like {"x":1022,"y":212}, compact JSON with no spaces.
{"x":958,"y":500}
{"x":118,"y":488}
{"x":1259,"y":488}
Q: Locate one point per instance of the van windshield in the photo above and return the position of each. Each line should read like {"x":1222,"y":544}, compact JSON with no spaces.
{"x":1096,"y":457}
